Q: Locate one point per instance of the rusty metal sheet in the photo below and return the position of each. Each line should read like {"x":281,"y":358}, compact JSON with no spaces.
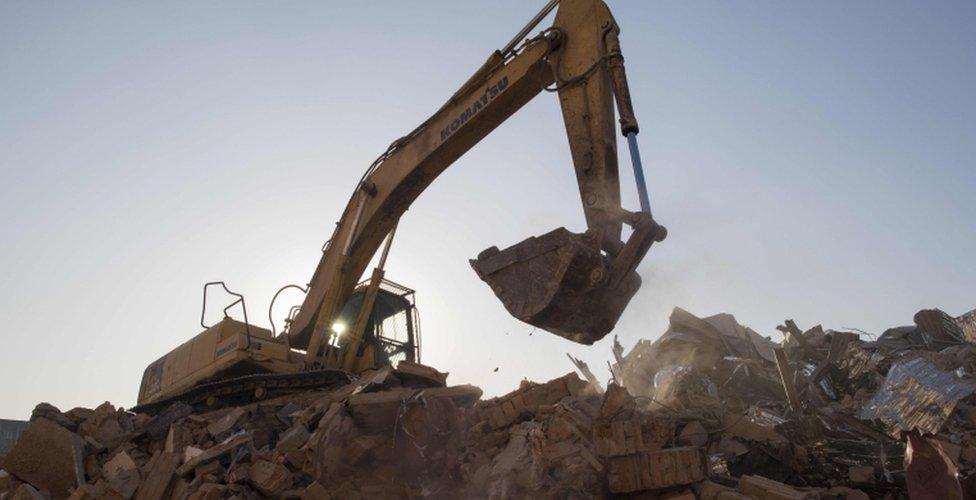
{"x":917,"y":395}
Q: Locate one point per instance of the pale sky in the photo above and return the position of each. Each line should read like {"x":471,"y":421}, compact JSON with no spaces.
{"x":811,"y":160}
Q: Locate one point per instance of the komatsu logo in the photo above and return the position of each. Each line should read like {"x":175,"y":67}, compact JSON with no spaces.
{"x":489,"y":95}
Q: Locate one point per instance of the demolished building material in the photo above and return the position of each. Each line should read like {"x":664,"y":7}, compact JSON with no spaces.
{"x":710,"y":410}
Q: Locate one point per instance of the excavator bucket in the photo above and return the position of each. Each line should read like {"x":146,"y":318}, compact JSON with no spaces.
{"x":557,"y":282}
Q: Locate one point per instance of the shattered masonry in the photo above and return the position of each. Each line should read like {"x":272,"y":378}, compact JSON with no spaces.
{"x":710,"y":410}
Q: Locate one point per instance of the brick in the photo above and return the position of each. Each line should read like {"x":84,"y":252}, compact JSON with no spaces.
{"x":626,"y":437}
{"x":614,"y":439}
{"x":506,"y":410}
{"x":656,"y":469}
{"x":49,"y":457}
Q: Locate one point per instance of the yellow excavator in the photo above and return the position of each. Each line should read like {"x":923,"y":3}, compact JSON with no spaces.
{"x":573,"y":285}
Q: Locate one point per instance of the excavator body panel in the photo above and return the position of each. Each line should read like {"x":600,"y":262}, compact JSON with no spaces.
{"x":227,"y":349}
{"x":231,"y":349}
{"x":558,"y":282}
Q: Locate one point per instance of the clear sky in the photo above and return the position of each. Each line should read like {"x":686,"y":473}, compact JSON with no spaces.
{"x":812,"y":161}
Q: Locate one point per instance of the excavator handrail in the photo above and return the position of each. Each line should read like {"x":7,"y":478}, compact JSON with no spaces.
{"x":240,"y":299}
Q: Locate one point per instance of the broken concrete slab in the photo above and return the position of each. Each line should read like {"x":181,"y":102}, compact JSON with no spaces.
{"x":160,"y":477}
{"x":427,"y":375}
{"x":48,"y":457}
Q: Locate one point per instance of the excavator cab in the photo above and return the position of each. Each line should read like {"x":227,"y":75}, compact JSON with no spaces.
{"x":391,"y":333}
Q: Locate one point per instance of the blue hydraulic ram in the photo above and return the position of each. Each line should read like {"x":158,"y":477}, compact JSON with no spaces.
{"x":635,"y":159}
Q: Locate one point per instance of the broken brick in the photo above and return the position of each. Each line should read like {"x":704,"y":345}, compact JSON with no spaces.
{"x":656,"y":470}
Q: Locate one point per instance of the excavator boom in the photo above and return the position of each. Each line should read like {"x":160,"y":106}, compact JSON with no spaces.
{"x":573,"y":285}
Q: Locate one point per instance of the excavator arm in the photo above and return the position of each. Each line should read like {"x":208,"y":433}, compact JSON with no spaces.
{"x":551,"y":281}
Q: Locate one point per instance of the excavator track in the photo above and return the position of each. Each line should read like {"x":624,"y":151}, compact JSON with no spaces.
{"x":246,"y":389}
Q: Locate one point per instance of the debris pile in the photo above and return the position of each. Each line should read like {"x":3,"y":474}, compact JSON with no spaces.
{"x":709,"y":410}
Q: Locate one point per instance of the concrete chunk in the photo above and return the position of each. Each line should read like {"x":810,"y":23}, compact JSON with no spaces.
{"x":160,"y":425}
{"x":226,"y":423}
{"x":122,"y":474}
{"x":229,"y":445}
{"x":159,"y":479}
{"x":292,"y":439}
{"x":49,"y":457}
{"x":409,"y":370}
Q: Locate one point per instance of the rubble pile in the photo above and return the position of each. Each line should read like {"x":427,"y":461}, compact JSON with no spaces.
{"x":709,"y":410}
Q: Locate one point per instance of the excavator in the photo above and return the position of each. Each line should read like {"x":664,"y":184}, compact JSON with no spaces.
{"x":570,"y":284}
